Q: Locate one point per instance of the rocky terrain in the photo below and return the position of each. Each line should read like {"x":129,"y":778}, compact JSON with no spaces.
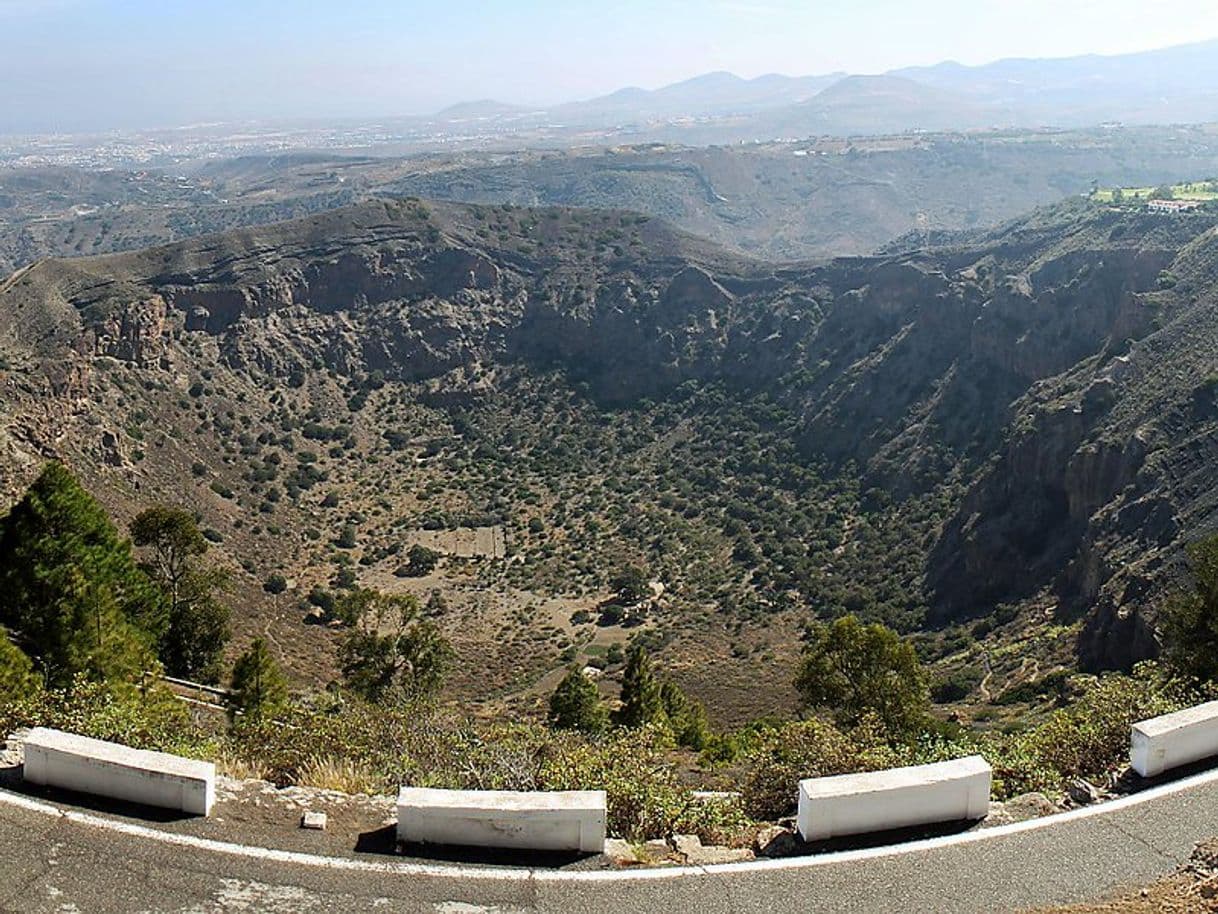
{"x":816,"y":197}
{"x":1001,"y":442}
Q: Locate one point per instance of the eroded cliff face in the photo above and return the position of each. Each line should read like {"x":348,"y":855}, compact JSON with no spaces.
{"x":1104,"y":475}
{"x":135,"y":333}
{"x":1047,"y":378}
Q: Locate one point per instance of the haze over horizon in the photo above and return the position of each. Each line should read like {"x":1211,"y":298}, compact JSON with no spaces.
{"x":80,"y":65}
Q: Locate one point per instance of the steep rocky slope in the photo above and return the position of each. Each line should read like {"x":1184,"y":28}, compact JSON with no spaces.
{"x":1105,"y":469}
{"x":1021,"y":418}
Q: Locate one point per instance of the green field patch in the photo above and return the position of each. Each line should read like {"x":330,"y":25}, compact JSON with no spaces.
{"x":1203,"y":191}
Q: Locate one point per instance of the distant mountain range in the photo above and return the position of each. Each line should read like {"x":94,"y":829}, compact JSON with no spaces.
{"x":1172,"y":85}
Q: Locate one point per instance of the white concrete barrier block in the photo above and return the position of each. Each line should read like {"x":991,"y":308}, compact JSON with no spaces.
{"x":871,"y":801}
{"x":59,"y":759}
{"x":1173,"y":740}
{"x":542,"y":820}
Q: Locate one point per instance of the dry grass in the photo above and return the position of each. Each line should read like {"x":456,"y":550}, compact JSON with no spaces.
{"x":239,"y":769}
{"x":345,"y":775}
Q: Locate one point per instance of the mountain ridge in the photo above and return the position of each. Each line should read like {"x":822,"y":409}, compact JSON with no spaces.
{"x":1176,"y":84}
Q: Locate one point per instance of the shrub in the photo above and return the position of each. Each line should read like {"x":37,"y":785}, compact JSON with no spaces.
{"x":643,"y":797}
{"x":955,"y":686}
{"x":1055,"y":684}
{"x":150,"y":718}
{"x":785,"y":755}
{"x":17,"y":679}
{"x":1090,"y":738}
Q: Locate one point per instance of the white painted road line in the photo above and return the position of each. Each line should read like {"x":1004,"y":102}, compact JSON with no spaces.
{"x":457,"y":871}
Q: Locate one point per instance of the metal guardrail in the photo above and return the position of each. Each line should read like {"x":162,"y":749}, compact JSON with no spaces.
{"x":197,"y":686}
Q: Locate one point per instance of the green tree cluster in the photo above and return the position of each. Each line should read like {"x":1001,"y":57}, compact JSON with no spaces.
{"x":648,"y":699}
{"x":197,"y":627}
{"x":390,"y":648}
{"x":854,"y":670}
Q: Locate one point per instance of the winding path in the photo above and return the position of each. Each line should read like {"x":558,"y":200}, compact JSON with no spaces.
{"x":60,"y":858}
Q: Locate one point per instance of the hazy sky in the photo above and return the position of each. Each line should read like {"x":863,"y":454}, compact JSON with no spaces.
{"x":85,"y":64}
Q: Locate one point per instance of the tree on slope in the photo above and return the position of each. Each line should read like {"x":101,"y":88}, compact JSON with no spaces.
{"x":576,"y":705}
{"x":197,"y":623}
{"x":389,"y":648}
{"x":629,"y":585}
{"x":642,"y":700}
{"x":1189,"y":619}
{"x":686,"y":716}
{"x":259,"y":688}
{"x":854,"y":670}
{"x":70,"y":588}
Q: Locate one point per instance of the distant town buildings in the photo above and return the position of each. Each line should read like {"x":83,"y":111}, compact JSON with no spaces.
{"x":1173,"y":206}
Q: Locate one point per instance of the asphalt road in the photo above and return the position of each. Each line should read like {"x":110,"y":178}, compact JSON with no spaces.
{"x":57,"y":858}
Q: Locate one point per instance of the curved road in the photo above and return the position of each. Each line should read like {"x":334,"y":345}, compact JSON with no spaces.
{"x":59,"y":858}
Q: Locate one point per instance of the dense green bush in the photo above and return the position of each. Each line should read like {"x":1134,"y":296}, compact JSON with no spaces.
{"x":1090,"y":738}
{"x":275,"y":584}
{"x":145,"y":718}
{"x":780,"y":757}
{"x":956,"y":686}
{"x":418,"y":744}
{"x":17,"y":678}
{"x":1190,"y":617}
{"x":644,"y":797}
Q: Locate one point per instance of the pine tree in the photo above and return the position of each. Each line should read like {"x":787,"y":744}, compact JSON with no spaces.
{"x":17,"y":677}
{"x":95,"y":638}
{"x":197,"y":623}
{"x":686,"y":717}
{"x":642,"y":702}
{"x":69,"y":585}
{"x":576,"y":705}
{"x":259,"y":688}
